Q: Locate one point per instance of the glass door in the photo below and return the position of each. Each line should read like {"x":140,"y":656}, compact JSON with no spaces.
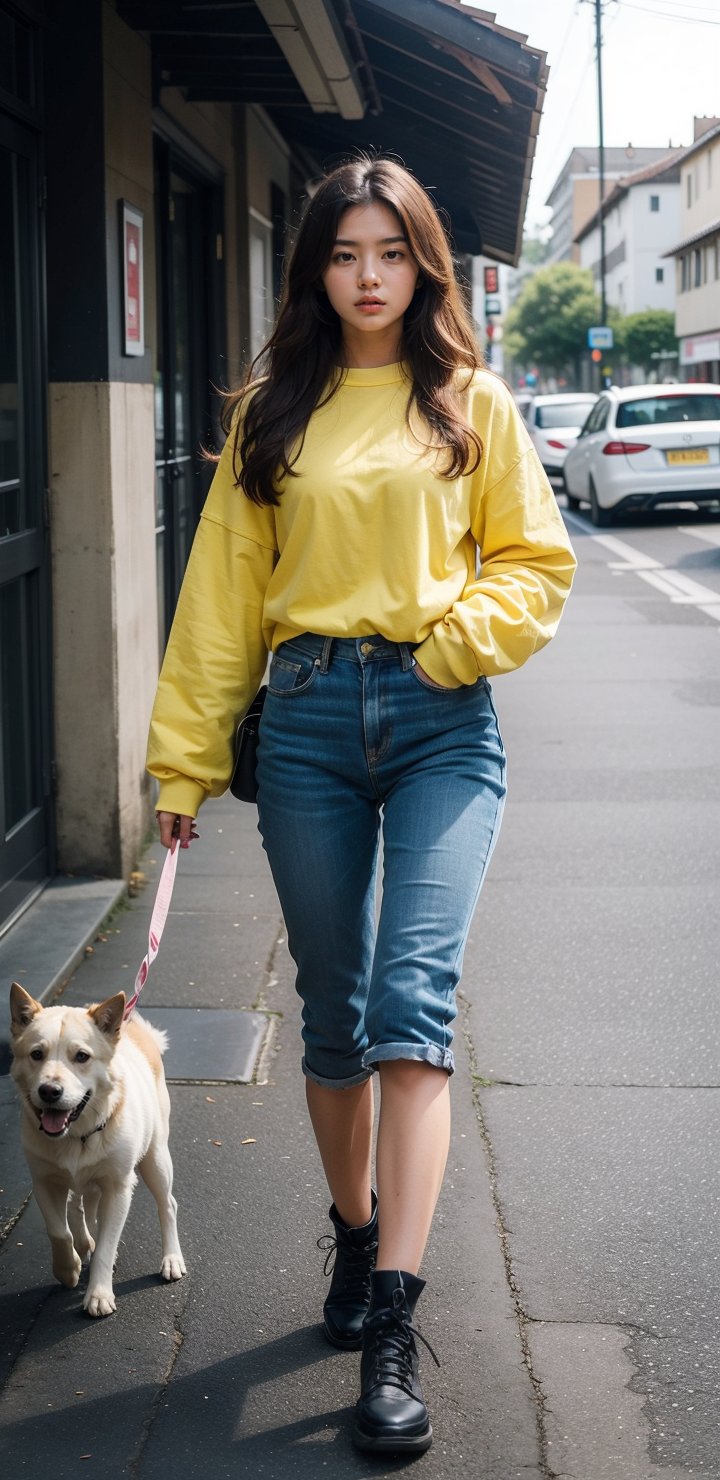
{"x":186,"y":210}
{"x":25,"y":793}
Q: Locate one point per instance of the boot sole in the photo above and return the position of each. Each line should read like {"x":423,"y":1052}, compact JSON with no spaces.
{"x":344,"y":1344}
{"x":392,"y":1444}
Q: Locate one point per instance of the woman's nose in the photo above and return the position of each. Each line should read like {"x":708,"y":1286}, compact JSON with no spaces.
{"x":368,"y":274}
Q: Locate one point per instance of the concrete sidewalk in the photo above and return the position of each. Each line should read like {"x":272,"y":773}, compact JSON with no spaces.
{"x":227,"y":1373}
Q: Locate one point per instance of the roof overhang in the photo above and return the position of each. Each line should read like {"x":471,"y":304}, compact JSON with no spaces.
{"x":706,"y":233}
{"x":455,"y":96}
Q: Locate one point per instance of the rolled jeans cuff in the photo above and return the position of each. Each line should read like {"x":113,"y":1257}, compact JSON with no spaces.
{"x":326,"y":1083}
{"x":424,"y":1053}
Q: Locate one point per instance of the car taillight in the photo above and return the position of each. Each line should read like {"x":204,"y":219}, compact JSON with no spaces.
{"x":561,"y":445}
{"x":612,"y":449}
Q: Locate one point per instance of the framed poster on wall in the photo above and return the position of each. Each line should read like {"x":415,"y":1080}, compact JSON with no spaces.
{"x":131,"y":247}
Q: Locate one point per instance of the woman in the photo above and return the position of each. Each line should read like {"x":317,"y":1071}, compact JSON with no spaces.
{"x":360,"y":478}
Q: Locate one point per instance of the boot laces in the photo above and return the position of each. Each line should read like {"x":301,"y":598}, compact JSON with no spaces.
{"x":356,"y":1267}
{"x":393,"y":1346}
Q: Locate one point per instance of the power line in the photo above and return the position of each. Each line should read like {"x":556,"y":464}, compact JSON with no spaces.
{"x":683,"y":20}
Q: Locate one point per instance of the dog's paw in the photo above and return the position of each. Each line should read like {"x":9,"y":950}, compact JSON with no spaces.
{"x":172,"y":1267}
{"x":67,"y":1269}
{"x":85,"y":1247}
{"x":99,"y":1302}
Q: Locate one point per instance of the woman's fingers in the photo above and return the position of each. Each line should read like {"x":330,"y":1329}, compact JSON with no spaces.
{"x":176,"y":827}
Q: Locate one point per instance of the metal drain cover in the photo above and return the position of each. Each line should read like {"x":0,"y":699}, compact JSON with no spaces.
{"x":209,"y":1043}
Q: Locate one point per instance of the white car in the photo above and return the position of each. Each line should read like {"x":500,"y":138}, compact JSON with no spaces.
{"x":646,"y":445}
{"x":554,"y":424}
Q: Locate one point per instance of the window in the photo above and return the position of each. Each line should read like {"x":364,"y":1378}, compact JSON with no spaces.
{"x":562,"y":414}
{"x":262,"y":304}
{"x":654,"y":202}
{"x":659,"y":274}
{"x":689,"y":188}
{"x":597,"y":418}
{"x":659,"y":410}
{"x":709,"y":167}
{"x":717,"y":259}
{"x":697,"y":275}
{"x":684,"y":274}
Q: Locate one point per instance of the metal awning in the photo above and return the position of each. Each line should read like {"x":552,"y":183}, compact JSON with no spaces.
{"x":455,"y":96}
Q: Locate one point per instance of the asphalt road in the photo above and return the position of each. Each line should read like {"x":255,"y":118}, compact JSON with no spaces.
{"x":572,"y":1271}
{"x":592,"y":983}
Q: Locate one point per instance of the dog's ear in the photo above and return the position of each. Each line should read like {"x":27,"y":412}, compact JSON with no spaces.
{"x":23,"y":1008}
{"x":108,"y":1015}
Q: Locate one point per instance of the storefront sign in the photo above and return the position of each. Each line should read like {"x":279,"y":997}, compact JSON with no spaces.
{"x":132,"y":278}
{"x":700,"y":348}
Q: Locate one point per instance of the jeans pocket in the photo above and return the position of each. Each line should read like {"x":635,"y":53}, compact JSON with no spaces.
{"x":425,"y":683}
{"x":288,"y":678}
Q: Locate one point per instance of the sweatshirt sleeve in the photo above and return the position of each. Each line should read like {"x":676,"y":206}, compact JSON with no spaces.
{"x":513,"y":607}
{"x":216,"y":655}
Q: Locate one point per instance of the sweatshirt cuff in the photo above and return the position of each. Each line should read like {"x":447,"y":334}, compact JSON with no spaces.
{"x":446,"y":659}
{"x":181,"y":795}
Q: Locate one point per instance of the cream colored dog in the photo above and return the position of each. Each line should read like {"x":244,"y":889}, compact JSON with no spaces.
{"x":95,"y":1108}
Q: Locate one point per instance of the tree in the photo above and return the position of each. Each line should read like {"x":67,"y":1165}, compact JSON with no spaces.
{"x":646,"y":337}
{"x":548,"y":325}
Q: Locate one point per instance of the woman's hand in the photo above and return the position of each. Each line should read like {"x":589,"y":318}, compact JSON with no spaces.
{"x":175,"y":827}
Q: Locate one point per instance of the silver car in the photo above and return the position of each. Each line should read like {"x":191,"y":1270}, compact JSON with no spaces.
{"x":554,"y":424}
{"x":646,"y":445}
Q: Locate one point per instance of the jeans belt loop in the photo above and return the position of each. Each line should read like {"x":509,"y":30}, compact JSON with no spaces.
{"x":326,"y":652}
{"x":406,"y":655}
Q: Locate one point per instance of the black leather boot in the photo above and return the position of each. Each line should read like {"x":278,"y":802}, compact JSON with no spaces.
{"x":348,"y":1299}
{"x":391,"y":1416}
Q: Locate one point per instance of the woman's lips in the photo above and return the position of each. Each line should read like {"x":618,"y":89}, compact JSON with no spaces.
{"x":370,"y":305}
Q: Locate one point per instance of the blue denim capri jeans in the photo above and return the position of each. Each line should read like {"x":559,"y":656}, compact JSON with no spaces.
{"x":353,"y":742}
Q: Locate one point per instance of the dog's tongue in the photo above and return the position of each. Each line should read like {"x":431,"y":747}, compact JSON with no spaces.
{"x":54,"y":1121}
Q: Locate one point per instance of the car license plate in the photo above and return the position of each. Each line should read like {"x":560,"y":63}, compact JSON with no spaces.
{"x":690,"y":455}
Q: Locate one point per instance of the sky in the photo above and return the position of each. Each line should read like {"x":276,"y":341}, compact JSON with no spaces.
{"x":661,"y":66}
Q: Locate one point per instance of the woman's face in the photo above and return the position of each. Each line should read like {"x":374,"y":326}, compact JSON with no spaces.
{"x":372,"y":274}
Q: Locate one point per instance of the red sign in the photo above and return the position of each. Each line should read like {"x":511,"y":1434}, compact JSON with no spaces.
{"x":491,"y":280}
{"x":132,"y":278}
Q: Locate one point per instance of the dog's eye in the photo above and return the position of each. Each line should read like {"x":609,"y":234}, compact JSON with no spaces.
{"x":81,"y":1057}
{"x":37,"y":1053}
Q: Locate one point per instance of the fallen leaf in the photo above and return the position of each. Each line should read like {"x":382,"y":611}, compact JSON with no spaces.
{"x":210,"y":1099}
{"x":249,"y":1141}
{"x":217,"y":1143}
{"x":79,"y":1392}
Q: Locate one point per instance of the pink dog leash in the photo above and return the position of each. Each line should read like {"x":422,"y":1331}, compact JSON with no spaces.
{"x":157,"y":923}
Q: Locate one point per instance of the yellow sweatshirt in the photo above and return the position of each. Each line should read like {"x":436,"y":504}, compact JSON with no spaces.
{"x":369,"y":538}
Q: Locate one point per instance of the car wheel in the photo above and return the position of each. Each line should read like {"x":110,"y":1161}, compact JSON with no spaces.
{"x":600,"y":517}
{"x":572,"y":502}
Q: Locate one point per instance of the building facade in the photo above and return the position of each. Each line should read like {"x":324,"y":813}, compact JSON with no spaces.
{"x":575,"y":196}
{"x":641,"y":217}
{"x":695,"y":256}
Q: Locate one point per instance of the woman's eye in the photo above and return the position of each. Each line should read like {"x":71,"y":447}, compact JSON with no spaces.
{"x":394,"y":255}
{"x":81,"y":1057}
{"x":342,"y":257}
{"x":37,"y":1054}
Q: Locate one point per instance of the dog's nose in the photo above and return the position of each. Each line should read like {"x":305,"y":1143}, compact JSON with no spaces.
{"x":50,"y":1093}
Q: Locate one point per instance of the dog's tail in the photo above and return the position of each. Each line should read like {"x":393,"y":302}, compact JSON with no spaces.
{"x":158,"y":1035}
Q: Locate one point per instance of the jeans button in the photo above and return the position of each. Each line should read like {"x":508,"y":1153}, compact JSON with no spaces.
{"x":366,"y":648}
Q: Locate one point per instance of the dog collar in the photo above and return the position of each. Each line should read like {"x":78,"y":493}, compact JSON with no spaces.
{"x":88,"y":1134}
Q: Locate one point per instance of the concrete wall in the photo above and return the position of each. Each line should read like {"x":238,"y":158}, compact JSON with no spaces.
{"x":102,"y":499}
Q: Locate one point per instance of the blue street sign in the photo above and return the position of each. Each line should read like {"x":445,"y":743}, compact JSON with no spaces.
{"x":600,"y":338}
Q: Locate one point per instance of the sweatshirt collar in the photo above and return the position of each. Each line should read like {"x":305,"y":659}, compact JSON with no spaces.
{"x":380,"y":375}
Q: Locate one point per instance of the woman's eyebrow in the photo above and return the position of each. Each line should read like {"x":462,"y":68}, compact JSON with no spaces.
{"x":384,"y":241}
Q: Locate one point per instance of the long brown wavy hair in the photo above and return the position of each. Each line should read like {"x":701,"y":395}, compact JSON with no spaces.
{"x":301,"y":364}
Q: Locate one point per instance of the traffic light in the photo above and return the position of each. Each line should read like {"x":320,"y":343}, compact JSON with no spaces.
{"x":491,"y":279}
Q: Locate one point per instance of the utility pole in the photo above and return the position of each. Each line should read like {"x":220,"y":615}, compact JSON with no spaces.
{"x":601,"y":160}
